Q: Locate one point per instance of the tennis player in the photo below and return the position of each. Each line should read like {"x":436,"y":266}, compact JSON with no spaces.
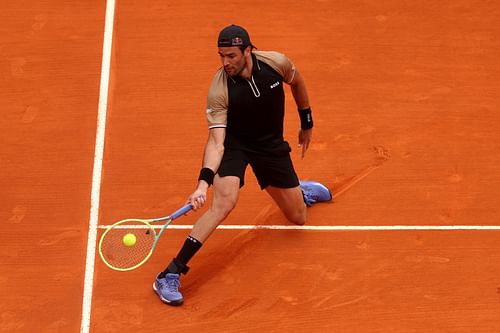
{"x":245,"y":113}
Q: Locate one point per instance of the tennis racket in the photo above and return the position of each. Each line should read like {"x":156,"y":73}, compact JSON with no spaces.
{"x":127,"y":244}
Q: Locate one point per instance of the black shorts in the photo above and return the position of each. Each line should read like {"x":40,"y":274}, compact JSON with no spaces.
{"x":270,"y":169}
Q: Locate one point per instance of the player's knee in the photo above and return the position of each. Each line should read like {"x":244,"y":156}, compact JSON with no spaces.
{"x":223,"y":208}
{"x":299,"y":221}
{"x":298,"y":217}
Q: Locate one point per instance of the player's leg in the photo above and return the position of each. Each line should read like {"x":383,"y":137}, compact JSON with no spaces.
{"x":291,"y":203}
{"x":225,"y":196}
{"x":277,"y":176}
{"x":226,"y":187}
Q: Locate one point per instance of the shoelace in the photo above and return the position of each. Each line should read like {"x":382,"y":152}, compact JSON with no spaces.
{"x":173,"y":285}
{"x":309,"y":197}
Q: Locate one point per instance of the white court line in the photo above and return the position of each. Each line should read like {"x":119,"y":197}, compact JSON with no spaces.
{"x":326,"y":227}
{"x":97,"y":171}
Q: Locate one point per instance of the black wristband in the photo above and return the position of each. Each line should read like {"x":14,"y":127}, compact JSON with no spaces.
{"x":306,"y":120}
{"x":207,"y":175}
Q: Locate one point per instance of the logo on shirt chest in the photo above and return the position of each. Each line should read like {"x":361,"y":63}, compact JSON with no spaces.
{"x":274,"y":85}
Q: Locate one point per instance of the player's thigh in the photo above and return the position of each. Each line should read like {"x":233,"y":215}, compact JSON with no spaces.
{"x":225,"y":194}
{"x":291,"y":203}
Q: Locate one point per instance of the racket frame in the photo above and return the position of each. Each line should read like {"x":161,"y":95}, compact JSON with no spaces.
{"x":168,"y":219}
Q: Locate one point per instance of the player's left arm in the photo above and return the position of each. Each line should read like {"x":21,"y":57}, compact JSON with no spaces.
{"x":299,"y":91}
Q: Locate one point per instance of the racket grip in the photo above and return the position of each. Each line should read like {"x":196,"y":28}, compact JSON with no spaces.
{"x":181,"y":211}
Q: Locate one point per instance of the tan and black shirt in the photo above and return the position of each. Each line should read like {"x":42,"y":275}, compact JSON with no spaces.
{"x":252,"y":111}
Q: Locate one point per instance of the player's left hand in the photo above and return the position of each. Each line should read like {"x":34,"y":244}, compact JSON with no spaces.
{"x":305,"y":140}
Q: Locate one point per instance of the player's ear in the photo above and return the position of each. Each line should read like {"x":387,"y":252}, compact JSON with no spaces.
{"x":247,"y":51}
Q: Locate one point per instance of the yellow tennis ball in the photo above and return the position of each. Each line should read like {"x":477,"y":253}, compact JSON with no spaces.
{"x":129,"y":240}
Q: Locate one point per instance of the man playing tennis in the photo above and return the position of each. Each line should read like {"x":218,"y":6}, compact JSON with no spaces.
{"x":245,"y":113}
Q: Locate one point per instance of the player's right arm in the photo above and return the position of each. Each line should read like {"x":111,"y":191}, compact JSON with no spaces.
{"x":216,"y":113}
{"x":214,"y":150}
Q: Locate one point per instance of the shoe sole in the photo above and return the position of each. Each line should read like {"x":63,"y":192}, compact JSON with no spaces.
{"x":166,"y":301}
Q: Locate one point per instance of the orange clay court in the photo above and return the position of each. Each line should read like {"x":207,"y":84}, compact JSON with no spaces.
{"x":406,"y":108}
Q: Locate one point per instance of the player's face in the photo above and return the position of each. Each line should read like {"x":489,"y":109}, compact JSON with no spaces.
{"x":233,"y":60}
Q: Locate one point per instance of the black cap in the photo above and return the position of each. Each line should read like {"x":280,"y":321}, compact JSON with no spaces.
{"x":233,"y":35}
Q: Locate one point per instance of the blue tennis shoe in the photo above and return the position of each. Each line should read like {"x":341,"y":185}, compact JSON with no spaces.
{"x":168,"y":289}
{"x":314,"y":192}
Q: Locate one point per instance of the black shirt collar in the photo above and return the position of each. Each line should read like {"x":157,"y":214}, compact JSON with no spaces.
{"x":255,"y":64}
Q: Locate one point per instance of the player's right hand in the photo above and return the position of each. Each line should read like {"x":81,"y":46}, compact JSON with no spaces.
{"x":199,"y":197}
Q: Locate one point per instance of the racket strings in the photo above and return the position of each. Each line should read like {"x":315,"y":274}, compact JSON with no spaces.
{"x":121,"y":256}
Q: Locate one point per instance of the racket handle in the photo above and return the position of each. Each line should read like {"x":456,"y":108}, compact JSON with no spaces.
{"x":181,"y":211}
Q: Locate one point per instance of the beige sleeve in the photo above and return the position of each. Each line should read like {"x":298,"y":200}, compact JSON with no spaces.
{"x":279,"y":62}
{"x":217,"y":101}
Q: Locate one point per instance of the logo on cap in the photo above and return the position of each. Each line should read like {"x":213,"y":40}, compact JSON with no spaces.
{"x":237,"y":41}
